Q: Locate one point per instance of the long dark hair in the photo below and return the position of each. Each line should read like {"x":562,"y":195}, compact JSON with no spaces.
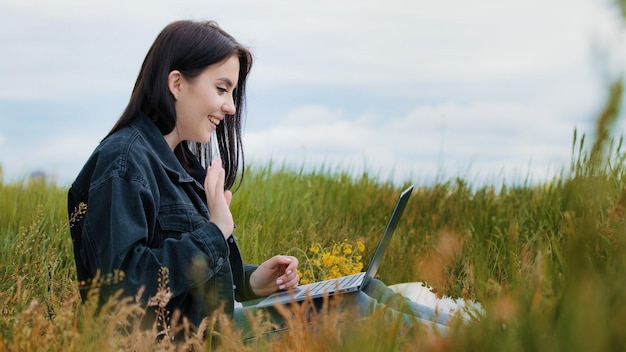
{"x":190,"y":47}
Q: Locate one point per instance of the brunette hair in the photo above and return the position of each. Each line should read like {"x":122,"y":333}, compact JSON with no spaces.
{"x":189,"y":47}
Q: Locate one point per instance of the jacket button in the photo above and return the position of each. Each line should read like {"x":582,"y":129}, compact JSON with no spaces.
{"x":220,"y":261}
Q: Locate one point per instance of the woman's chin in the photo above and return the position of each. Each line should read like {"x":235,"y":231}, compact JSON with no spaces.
{"x":206,"y":138}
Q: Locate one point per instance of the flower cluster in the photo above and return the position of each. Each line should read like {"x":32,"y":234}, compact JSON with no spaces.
{"x":323,"y":263}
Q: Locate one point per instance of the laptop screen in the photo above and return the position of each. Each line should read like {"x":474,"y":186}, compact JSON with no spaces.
{"x":384,"y":242}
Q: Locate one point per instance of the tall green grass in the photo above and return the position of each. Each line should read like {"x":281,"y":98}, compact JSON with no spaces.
{"x":547,"y":261}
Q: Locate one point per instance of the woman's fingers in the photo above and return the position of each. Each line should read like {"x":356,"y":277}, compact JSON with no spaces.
{"x":218,"y":200}
{"x":292,"y":280}
{"x":289,"y":277}
{"x":214,"y":181}
{"x":228,"y":196}
{"x":277,"y":273}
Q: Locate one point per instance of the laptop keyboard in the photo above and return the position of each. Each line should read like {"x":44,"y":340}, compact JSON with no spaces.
{"x":339,"y":284}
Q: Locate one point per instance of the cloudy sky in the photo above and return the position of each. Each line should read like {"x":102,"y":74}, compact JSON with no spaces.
{"x":419,"y":90}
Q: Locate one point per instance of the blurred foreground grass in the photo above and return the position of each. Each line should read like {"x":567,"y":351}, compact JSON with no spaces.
{"x":547,"y":261}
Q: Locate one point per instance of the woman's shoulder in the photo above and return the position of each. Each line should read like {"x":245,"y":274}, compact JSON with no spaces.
{"x":122,"y":145}
{"x":140,"y":139}
{"x":122,"y":154}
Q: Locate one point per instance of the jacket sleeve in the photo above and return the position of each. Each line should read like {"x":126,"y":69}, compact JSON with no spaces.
{"x":118,"y":233}
{"x":248,"y":269}
{"x":241,"y":272}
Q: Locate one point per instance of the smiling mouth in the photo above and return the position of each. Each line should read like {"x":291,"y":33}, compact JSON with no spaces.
{"x":214,"y":120}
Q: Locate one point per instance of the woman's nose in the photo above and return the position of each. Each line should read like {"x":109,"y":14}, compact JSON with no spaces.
{"x":229,"y":106}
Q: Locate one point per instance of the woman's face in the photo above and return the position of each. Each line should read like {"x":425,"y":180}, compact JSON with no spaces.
{"x":202,"y":102}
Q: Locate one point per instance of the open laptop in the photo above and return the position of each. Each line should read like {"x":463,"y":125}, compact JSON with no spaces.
{"x":348,"y":283}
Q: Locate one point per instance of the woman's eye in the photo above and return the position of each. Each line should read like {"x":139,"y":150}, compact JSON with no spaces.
{"x":222,"y":89}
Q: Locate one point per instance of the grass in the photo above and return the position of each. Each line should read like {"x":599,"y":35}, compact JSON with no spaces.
{"x":546,"y":261}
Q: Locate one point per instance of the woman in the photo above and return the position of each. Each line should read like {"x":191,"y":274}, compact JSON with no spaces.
{"x":149,"y":197}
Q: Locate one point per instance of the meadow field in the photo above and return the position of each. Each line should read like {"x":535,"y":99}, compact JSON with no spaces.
{"x":546,"y":261}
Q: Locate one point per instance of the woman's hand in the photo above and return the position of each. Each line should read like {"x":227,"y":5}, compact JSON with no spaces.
{"x":275,"y":274}
{"x":218,"y":200}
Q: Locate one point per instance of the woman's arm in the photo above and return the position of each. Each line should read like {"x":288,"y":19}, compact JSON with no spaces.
{"x":121,"y":232}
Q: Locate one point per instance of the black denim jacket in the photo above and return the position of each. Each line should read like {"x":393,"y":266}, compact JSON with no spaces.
{"x":142,"y":212}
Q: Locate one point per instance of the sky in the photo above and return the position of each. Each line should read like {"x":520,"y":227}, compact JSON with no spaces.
{"x":406,"y":90}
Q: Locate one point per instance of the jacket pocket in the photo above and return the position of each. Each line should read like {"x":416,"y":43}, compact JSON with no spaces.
{"x":176,"y":219}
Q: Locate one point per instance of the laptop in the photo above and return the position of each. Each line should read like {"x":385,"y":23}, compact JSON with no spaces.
{"x":345,"y":284}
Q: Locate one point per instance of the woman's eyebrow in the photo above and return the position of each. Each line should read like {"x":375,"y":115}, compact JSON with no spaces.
{"x":226,"y":80}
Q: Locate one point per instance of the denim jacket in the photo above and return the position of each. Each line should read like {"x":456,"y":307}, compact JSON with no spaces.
{"x":133,"y":208}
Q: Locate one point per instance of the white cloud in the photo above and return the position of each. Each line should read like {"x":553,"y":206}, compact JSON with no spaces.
{"x":402,"y":41}
{"x":482,"y":139}
{"x":83,"y":48}
{"x":496,"y":87}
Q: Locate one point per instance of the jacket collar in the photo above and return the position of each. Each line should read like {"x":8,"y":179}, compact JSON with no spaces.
{"x":149,"y":131}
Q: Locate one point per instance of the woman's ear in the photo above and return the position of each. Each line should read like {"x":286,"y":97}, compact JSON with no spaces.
{"x":174,"y":82}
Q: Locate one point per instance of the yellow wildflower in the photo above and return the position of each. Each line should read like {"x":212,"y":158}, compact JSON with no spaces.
{"x":314,"y":248}
{"x":341,"y":258}
{"x":360,"y":246}
{"x":327,"y":259}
